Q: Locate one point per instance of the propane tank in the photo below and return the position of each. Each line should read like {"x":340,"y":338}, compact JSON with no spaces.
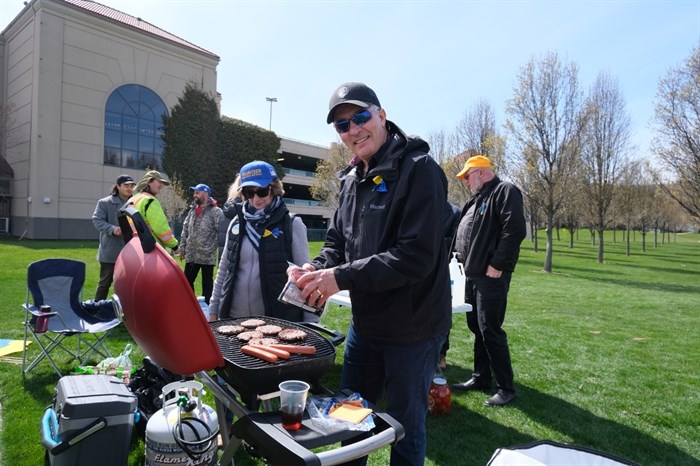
{"x":457,"y":281}
{"x":183,"y":432}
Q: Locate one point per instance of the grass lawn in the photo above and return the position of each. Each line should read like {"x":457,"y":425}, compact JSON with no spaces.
{"x":605,"y":356}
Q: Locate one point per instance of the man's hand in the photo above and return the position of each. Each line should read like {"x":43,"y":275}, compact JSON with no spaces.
{"x":317,"y":286}
{"x":294,"y":272}
{"x":493,"y":273}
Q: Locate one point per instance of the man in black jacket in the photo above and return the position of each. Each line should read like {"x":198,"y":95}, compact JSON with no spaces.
{"x":488,"y":240}
{"x":385,"y":245}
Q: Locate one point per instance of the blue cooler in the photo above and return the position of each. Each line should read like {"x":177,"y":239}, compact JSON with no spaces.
{"x":90,"y":423}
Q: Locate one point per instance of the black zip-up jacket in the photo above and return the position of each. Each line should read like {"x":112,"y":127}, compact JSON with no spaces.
{"x":387,"y":241}
{"x":274,"y":259}
{"x":498,"y":228}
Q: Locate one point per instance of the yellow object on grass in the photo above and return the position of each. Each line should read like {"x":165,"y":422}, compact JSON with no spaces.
{"x":11,"y":346}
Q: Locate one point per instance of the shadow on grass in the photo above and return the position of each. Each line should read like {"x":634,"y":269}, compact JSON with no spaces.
{"x":585,"y":274}
{"x":478,"y":437}
{"x":40,"y":385}
{"x":481,"y":436}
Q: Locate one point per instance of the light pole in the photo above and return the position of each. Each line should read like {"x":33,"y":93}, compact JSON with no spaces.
{"x":271,"y":99}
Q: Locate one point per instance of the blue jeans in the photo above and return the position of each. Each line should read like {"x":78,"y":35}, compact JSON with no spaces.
{"x":405,"y":371}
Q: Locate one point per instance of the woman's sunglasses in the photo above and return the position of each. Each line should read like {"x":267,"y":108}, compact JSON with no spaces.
{"x":360,"y":118}
{"x":248,"y":193}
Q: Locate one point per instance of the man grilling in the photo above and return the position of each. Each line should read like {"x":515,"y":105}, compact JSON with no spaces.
{"x":385,"y":245}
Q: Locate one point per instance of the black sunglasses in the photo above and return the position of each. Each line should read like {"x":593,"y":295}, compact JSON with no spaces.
{"x":248,"y":193}
{"x":360,"y":118}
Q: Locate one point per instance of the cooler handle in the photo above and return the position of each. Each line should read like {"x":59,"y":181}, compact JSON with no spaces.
{"x":49,"y":428}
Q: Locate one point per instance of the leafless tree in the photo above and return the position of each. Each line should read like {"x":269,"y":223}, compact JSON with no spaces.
{"x":457,"y":190}
{"x":440,"y":150}
{"x":647,"y":199}
{"x":626,"y":200}
{"x":533,"y":199}
{"x":677,"y":121}
{"x":477,"y":133}
{"x":668,"y":216}
{"x":572,"y":213}
{"x":546,"y":121}
{"x":604,"y":152}
{"x":172,"y":200}
{"x":326,"y":186}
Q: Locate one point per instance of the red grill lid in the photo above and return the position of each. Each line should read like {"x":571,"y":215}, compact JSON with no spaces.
{"x":161,"y":312}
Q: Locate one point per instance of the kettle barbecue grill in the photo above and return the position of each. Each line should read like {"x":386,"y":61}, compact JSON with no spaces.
{"x":159,"y":309}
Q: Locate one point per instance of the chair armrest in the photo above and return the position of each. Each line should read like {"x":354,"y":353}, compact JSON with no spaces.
{"x":36,"y":312}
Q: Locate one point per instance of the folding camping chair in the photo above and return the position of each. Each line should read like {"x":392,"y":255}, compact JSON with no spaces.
{"x":58,"y":283}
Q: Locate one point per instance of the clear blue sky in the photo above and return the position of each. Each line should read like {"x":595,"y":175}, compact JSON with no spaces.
{"x":429,"y":61}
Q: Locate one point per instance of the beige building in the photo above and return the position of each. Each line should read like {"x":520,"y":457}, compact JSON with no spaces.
{"x":82,"y":91}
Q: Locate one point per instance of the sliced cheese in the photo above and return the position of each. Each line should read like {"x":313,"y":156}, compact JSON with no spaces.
{"x":350,"y":413}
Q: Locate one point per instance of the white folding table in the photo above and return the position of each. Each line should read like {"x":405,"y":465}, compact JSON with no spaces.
{"x":342,"y":298}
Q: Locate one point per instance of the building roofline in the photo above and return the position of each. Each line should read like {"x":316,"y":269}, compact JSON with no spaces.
{"x":118,"y":17}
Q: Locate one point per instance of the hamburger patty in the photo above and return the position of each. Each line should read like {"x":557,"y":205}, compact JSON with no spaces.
{"x":269,"y":329}
{"x":230,"y":329}
{"x":252,"y":323}
{"x":263,"y":341}
{"x":291,"y":334}
{"x":249,"y":335}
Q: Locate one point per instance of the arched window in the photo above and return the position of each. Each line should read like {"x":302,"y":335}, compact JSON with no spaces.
{"x":133,"y":128}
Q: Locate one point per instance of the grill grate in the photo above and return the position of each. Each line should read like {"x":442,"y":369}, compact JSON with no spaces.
{"x":251,"y":376}
{"x":230,"y":346}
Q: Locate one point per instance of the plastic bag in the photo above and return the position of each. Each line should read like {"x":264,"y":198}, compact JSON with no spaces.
{"x":320,"y":407}
{"x":147,"y":384}
{"x":121,"y":362}
{"x":120,"y":366}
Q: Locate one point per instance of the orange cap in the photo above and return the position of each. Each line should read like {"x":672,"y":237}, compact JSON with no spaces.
{"x":478,"y":161}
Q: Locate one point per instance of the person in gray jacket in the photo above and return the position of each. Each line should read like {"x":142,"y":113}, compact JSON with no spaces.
{"x":200,"y":238}
{"x":111,"y":242}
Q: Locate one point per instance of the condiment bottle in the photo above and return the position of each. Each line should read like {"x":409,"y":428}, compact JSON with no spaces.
{"x":439,"y":397}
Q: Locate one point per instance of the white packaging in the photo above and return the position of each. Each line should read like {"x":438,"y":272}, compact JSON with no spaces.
{"x":457,"y":281}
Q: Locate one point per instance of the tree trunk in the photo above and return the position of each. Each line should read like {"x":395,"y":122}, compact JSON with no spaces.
{"x":535,"y":231}
{"x":550,"y":247}
{"x":628,"y":239}
{"x":600,"y":246}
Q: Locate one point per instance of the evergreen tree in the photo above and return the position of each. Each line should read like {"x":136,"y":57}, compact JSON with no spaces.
{"x":189,"y":138}
{"x":240,"y":142}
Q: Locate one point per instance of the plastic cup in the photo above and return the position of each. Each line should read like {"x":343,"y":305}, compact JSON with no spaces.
{"x":292,"y":403}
